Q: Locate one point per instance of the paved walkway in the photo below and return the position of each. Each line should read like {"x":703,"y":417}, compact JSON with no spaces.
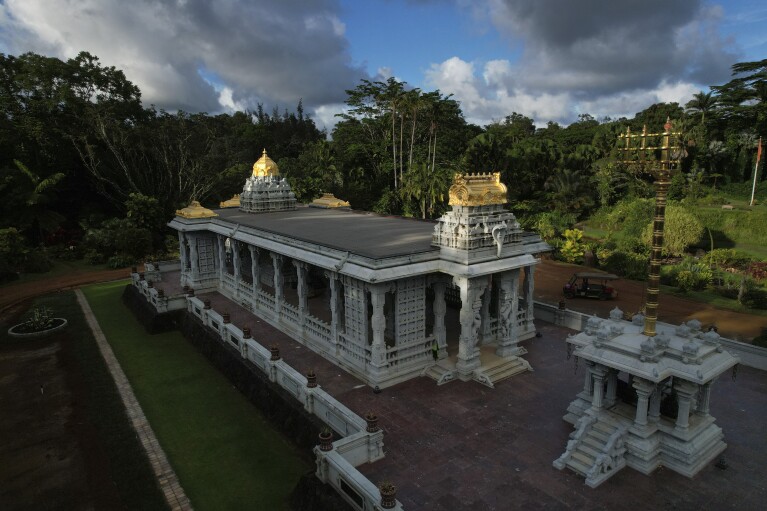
{"x":169,"y":484}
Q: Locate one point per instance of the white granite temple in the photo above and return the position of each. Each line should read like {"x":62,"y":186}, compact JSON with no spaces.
{"x":371,"y":292}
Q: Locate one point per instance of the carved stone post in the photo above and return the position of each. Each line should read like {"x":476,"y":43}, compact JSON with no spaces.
{"x":302,"y":270}
{"x":685,"y":391}
{"x":643,"y":388}
{"x":508,"y":308}
{"x":485,"y":335}
{"x":440,"y":334}
{"x":279,"y":281}
{"x":194,"y":256}
{"x":378,"y":325}
{"x":597,"y":399}
{"x":335,"y":309}
{"x":470,"y":317}
{"x":236,"y":263}
{"x":182,"y":251}
{"x":255,"y":271}
{"x":588,"y":381}
{"x":529,"y":288}
{"x":654,"y":410}
{"x":612,"y":387}
{"x":704,"y":399}
{"x":221,"y":256}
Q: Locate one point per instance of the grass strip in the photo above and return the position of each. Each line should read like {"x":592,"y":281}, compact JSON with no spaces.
{"x":225,"y":453}
{"x":130,"y":470}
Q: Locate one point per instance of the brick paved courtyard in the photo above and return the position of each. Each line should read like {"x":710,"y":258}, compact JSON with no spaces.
{"x":466,"y":446}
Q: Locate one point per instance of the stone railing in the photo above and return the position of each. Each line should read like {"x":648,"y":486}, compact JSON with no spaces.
{"x":318,"y":331}
{"x":352,"y":352}
{"x":266,"y":301}
{"x":414,"y":352}
{"x":152,"y":295}
{"x":584,"y":424}
{"x":356,"y":446}
{"x":609,"y":461}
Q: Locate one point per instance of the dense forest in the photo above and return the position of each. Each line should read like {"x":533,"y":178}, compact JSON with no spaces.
{"x":81,"y":159}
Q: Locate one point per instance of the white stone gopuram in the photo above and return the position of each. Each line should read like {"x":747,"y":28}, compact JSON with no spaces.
{"x":374,"y":294}
{"x":645,"y":400}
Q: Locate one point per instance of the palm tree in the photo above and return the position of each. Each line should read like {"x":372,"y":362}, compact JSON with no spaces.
{"x":426,"y":186}
{"x":701,"y":103}
{"x":35,"y":195}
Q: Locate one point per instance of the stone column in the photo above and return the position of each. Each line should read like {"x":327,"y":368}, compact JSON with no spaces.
{"x":236,"y":262}
{"x":334,"y":306}
{"x":704,"y":399}
{"x":378,"y":325}
{"x":685,"y":391}
{"x":508,"y":307}
{"x":597,"y":399}
{"x":279,"y":281}
{"x":221,"y":256}
{"x":439,"y":307}
{"x":588,"y":381}
{"x":612,"y":387}
{"x":529,"y":288}
{"x":194,"y":256}
{"x":654,"y":411}
{"x":470,"y":317}
{"x":302,"y":288}
{"x":643,"y":388}
{"x":255,"y":271}
{"x":485,"y":330}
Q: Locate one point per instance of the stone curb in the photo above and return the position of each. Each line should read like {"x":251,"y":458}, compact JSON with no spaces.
{"x":166,"y":477}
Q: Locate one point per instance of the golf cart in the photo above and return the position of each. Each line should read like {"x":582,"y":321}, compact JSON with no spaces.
{"x":591,"y":285}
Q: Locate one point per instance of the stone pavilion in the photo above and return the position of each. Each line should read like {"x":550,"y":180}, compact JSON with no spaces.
{"x":371,"y":293}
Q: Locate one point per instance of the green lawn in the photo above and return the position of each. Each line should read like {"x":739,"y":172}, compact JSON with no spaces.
{"x":224,"y":452}
{"x":712,"y":298}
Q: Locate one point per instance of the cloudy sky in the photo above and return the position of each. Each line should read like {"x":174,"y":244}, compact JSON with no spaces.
{"x":548,"y":59}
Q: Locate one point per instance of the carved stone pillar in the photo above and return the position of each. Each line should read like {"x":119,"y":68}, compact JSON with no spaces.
{"x":439,"y":307}
{"x":236,"y":262}
{"x":529,"y":288}
{"x":704,"y":399}
{"x":612,"y":387}
{"x":279,"y":282}
{"x":194,"y":257}
{"x":471,"y":318}
{"x":508,"y":307}
{"x":182,"y":251}
{"x":221,"y":256}
{"x":255,"y":271}
{"x":643,"y":388}
{"x":485,"y":331}
{"x":597,"y":399}
{"x":302,"y":270}
{"x":378,"y":326}
{"x":588,"y":381}
{"x":653,"y":413}
{"x":335,"y":308}
{"x":685,"y":391}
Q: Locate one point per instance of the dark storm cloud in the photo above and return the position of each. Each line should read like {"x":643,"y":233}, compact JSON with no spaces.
{"x":274,"y":52}
{"x":594,"y":47}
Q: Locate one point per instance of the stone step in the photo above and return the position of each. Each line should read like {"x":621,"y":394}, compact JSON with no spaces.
{"x":583,"y":458}
{"x":593,"y":443}
{"x":599,"y":435}
{"x":591,"y":450}
{"x":605,"y":428}
{"x":578,"y":467}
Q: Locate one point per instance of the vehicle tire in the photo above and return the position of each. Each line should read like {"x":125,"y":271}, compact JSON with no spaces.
{"x":569,"y":294}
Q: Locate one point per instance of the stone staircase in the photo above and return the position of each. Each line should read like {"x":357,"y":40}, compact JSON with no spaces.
{"x":441,"y":372}
{"x":500,"y":369}
{"x":596,"y":449}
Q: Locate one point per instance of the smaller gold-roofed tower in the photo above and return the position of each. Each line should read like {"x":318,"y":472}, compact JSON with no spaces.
{"x":478,"y":227}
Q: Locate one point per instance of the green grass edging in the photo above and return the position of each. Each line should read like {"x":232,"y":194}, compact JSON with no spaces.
{"x":224,"y":452}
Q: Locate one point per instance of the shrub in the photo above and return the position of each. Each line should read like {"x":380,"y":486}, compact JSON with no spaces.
{"x":689,"y":275}
{"x":120,"y":261}
{"x":627,"y":264}
{"x":681,"y":230}
{"x":755,"y":298}
{"x":726,"y":258}
{"x":37,"y":262}
{"x":550,"y":225}
{"x":94,"y":257}
{"x":573,"y":248}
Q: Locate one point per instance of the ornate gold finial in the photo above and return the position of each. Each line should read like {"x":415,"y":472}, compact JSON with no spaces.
{"x":328,"y":200}
{"x":234,"y":202}
{"x":265,"y":166}
{"x":195,"y":210}
{"x":477,"y":190}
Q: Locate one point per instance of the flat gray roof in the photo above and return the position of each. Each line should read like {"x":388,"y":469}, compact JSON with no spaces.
{"x":362,"y":233}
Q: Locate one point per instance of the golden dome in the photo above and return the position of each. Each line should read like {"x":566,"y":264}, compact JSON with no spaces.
{"x":265,"y":166}
{"x":195,"y":210}
{"x":234,"y":202}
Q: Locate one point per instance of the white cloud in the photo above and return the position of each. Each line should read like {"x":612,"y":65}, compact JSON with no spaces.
{"x":251,"y":47}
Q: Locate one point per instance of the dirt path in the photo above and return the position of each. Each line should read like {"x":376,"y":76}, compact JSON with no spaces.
{"x":16,"y":293}
{"x":550,"y":276}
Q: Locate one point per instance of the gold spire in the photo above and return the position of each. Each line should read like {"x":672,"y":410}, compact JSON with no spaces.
{"x":195,"y":210}
{"x":477,"y":190}
{"x":265,"y":166}
{"x":234,"y":202}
